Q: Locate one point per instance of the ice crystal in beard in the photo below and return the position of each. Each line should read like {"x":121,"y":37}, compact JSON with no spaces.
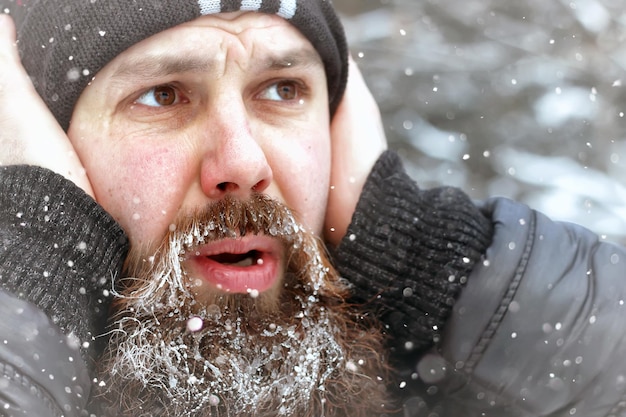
{"x":290,"y":355}
{"x":158,"y":279}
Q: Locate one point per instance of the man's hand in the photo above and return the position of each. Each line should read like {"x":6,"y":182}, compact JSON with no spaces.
{"x":358,"y":139}
{"x":29,"y":134}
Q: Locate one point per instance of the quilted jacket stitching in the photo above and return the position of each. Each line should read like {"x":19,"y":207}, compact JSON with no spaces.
{"x":502,"y":309}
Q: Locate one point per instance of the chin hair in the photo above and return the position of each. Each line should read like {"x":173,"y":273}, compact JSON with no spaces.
{"x":297,"y":350}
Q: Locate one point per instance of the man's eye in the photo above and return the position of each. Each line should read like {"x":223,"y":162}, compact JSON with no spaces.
{"x":282,"y":91}
{"x":163,"y":95}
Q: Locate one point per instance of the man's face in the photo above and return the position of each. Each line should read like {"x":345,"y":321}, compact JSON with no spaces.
{"x":209,"y":143}
{"x":226,"y":104}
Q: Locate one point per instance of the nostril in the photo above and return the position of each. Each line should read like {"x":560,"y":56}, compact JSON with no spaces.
{"x":260,"y":186}
{"x":227,"y":186}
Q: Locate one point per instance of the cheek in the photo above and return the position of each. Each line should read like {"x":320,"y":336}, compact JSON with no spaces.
{"x":142,"y":187}
{"x":304,"y":178}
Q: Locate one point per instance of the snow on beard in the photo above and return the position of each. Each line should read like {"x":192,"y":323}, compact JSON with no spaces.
{"x":298,"y":350}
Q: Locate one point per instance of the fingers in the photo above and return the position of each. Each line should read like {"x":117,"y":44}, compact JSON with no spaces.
{"x":13,"y":150}
{"x":357,"y":130}
{"x":8,"y":50}
{"x":7,"y":28}
{"x":12,"y":73}
{"x":358,"y":139}
{"x":29,"y":133}
{"x":359,"y":92}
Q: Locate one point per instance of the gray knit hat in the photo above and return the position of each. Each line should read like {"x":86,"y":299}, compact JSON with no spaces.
{"x":64,"y":43}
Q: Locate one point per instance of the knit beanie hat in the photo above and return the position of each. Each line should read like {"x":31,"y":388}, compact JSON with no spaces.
{"x":64,"y":43}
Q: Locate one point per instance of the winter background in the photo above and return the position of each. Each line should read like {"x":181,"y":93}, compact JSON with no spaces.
{"x":520,"y":99}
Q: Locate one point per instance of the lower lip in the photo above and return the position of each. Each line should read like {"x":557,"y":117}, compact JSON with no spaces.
{"x":251,"y":279}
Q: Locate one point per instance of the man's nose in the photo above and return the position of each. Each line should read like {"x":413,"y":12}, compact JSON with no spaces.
{"x":238,"y":164}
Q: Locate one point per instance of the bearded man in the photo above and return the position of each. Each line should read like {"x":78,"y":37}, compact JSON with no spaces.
{"x":203,"y":130}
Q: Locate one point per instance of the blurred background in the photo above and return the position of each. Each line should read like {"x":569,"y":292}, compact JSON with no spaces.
{"x":519,"y":99}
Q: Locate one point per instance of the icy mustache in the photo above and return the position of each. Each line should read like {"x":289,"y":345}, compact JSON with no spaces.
{"x":230,"y":218}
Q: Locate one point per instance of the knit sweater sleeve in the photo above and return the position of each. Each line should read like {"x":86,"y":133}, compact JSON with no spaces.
{"x":408,"y":252}
{"x":59,"y":252}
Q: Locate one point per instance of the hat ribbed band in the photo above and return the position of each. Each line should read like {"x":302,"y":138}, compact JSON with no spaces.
{"x":64,"y":43}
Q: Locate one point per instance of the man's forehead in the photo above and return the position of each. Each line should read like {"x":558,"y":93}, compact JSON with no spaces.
{"x":261,"y":31}
{"x":202,"y":45}
{"x":170,"y":62}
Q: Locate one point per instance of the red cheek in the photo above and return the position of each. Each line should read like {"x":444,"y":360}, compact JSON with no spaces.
{"x":153,"y":167}
{"x":147,"y":186}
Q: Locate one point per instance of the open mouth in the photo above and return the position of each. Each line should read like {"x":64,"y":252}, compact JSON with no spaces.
{"x":250,"y":258}
{"x":239,"y":265}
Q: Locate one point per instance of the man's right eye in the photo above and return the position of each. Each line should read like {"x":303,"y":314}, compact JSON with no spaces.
{"x":160,"y":96}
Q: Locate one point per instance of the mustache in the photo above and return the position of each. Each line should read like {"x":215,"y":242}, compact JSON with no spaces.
{"x":231,"y":217}
{"x":228,"y":218}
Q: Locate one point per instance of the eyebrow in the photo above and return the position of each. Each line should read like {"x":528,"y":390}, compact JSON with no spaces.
{"x":150,"y":66}
{"x":295,"y":58}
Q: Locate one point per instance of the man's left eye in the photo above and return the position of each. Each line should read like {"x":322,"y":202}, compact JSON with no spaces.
{"x":282,"y":91}
{"x":161,"y":96}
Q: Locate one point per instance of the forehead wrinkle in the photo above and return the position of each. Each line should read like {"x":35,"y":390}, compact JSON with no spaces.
{"x":147,"y":67}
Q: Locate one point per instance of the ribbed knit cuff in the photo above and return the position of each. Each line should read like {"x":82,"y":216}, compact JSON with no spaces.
{"x":59,"y":249}
{"x":408,"y":252}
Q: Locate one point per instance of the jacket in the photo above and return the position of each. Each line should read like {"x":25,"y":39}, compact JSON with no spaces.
{"x":538,"y":328}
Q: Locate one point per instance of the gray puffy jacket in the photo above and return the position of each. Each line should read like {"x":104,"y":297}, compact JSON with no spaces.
{"x":538,"y":327}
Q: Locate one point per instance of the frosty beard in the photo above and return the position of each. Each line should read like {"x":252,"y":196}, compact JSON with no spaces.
{"x":298,"y":350}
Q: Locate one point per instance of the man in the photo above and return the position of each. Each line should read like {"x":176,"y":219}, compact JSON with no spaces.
{"x":200,"y":138}
{"x":205,"y":129}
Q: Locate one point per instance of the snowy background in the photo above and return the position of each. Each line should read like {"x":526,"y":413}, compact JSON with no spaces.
{"x":521,"y":99}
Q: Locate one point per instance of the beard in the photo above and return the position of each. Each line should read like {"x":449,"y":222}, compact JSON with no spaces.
{"x":298,"y":349}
